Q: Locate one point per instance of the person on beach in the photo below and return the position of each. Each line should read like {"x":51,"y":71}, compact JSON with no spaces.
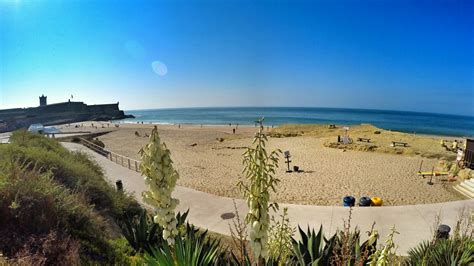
{"x":455,"y":145}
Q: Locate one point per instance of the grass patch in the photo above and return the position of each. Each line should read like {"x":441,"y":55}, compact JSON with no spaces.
{"x":380,"y":140}
{"x":52,"y":197}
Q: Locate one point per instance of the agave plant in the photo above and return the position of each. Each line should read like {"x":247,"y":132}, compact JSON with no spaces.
{"x":142,"y":233}
{"x":191,"y":249}
{"x":454,"y":251}
{"x":343,"y":248}
{"x":313,"y":249}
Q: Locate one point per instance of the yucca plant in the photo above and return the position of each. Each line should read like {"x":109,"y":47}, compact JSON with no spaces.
{"x":312,"y":249}
{"x":192,"y":249}
{"x":160,"y":177}
{"x":259,"y":169}
{"x":142,"y":233}
{"x":454,"y":251}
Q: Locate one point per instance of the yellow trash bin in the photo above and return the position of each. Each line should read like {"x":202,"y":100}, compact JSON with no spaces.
{"x":376,"y":201}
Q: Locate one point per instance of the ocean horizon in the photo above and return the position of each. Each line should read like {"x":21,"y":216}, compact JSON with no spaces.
{"x":403,"y":121}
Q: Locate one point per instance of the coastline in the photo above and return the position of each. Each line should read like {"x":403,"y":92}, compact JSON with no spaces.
{"x":401,"y":121}
{"x":209,"y":159}
{"x":197,"y":125}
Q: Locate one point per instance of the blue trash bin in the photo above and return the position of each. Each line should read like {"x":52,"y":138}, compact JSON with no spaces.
{"x":349,"y":201}
{"x":365,"y":202}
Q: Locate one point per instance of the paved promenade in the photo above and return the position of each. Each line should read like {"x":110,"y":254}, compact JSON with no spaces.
{"x":414,"y":222}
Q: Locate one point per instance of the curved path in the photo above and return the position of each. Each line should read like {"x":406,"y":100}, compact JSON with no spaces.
{"x":414,"y":222}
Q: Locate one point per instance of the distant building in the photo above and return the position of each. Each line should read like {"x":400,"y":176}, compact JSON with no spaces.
{"x":43,"y":100}
{"x":58,"y":113}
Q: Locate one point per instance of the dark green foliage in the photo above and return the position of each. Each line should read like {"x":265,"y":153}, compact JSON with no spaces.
{"x":73,"y":170}
{"x":313,"y":249}
{"x":191,"y":249}
{"x":50,"y":196}
{"x":142,"y":233}
{"x":348,"y":250}
{"x":33,"y":206}
{"x":454,"y":251}
{"x":234,"y":260}
{"x":343,"y":248}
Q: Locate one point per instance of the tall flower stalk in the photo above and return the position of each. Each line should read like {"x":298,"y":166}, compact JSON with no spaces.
{"x":161,"y":177}
{"x":259,"y":170}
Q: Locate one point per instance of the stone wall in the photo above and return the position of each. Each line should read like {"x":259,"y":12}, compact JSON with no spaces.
{"x":60,"y":113}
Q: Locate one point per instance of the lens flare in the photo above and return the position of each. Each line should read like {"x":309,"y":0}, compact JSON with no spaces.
{"x":159,"y":68}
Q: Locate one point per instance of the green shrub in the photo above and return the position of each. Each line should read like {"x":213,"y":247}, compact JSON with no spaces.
{"x":35,"y":210}
{"x":343,"y":248}
{"x":280,"y":238}
{"x":50,"y":197}
{"x":454,"y":251}
{"x":192,"y":249}
{"x":73,"y":170}
{"x":124,"y":252}
{"x":312,"y":249}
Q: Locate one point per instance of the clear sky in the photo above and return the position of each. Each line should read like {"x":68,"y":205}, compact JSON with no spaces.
{"x":399,"y":55}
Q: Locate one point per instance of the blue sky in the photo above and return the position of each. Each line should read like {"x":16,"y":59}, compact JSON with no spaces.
{"x":400,"y":55}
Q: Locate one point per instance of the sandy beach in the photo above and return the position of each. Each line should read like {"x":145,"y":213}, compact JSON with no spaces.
{"x":209,"y":159}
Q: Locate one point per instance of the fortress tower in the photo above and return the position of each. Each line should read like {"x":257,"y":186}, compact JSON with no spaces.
{"x":43,"y":100}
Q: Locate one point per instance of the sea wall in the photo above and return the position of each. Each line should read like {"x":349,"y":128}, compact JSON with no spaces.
{"x":59,"y":113}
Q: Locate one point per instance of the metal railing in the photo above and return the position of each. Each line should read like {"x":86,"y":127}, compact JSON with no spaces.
{"x":124,"y":161}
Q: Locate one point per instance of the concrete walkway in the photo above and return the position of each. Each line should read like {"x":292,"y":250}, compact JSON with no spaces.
{"x":414,"y":222}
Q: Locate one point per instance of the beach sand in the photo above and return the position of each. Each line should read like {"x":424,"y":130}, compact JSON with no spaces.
{"x":207,"y":164}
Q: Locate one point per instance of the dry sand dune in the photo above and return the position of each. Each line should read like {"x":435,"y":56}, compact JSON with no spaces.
{"x":214,"y":166}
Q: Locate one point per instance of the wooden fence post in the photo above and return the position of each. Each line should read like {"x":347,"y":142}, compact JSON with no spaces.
{"x":136,"y":166}
{"x":128,"y":163}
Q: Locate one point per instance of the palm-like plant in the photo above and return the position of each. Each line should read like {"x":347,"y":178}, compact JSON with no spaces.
{"x":454,"y":251}
{"x":142,"y":233}
{"x":191,"y":249}
{"x":313,"y":249}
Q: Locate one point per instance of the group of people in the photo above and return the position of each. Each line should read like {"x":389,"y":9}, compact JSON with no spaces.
{"x":454,"y":145}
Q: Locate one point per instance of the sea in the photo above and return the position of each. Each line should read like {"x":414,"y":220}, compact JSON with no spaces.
{"x":410,"y":122}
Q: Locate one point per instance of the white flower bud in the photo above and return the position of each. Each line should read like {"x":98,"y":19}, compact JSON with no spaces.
{"x":161,"y":178}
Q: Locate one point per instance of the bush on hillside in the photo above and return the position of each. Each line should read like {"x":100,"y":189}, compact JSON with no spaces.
{"x":71,"y":169}
{"x":35,"y":212}
{"x":55,"y":203}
